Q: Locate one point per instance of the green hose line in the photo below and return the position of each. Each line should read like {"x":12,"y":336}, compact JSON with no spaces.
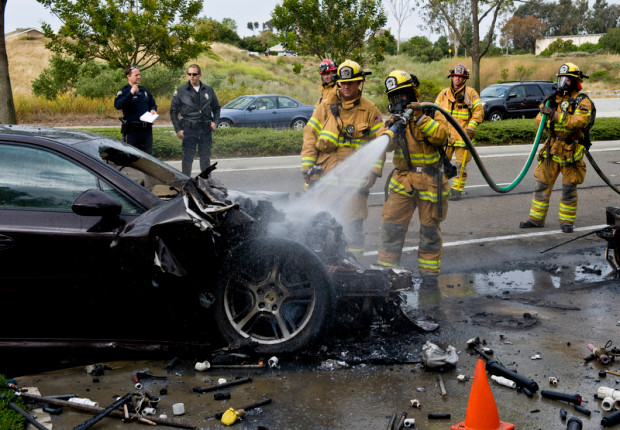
{"x":476,"y":157}
{"x":600,"y":173}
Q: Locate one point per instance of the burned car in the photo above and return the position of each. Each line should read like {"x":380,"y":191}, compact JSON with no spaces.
{"x":99,"y":240}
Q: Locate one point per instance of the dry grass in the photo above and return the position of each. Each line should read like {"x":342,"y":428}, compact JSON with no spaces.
{"x":27,"y":59}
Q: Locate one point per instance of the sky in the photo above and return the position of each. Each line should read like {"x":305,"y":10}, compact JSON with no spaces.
{"x":30,"y":13}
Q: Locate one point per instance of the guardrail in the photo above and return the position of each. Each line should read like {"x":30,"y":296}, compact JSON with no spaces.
{"x":603,"y":94}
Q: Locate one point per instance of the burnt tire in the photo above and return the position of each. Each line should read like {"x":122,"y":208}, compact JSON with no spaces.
{"x":275,"y":294}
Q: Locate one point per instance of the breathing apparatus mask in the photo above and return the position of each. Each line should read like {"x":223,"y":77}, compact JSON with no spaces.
{"x":399,"y":100}
{"x":564,"y":84}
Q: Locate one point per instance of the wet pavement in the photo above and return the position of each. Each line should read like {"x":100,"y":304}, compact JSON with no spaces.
{"x":537,"y":319}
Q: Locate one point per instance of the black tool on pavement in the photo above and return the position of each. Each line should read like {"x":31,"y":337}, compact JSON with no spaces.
{"x":611,"y":420}
{"x":92,"y":421}
{"x":494,"y":368}
{"x":554,"y":395}
{"x":582,"y":410}
{"x":437,"y":416}
{"x":574,"y":424}
{"x":220,"y":386}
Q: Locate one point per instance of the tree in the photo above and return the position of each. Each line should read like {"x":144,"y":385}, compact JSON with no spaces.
{"x":127,"y":32}
{"x":335,"y":29}
{"x":611,"y":41}
{"x":460,"y":13}
{"x":401,"y":11}
{"x":215,"y":31}
{"x":523,"y":32}
{"x":477,"y":48}
{"x":7,"y":109}
{"x":566,"y":17}
{"x":602,"y":17}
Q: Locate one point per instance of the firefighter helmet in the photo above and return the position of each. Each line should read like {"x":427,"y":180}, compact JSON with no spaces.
{"x":350,"y":71}
{"x":570,"y":69}
{"x":459,"y":70}
{"x":401,"y":89}
{"x":327,"y":66}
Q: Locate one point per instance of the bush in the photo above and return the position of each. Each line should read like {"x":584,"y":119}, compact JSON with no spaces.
{"x":97,"y":81}
{"x":9,"y":419}
{"x":599,"y":75}
{"x":56,"y":79}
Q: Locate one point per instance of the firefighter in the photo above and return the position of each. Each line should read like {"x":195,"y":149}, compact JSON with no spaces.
{"x":568,"y":113}
{"x":464,"y":105}
{"x":417,"y":182}
{"x":327,"y":70}
{"x":343,"y":123}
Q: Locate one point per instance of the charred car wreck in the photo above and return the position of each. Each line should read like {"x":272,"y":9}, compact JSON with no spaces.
{"x":100,"y":241}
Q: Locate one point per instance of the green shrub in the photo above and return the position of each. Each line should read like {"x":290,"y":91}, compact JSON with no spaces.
{"x":98,"y":81}
{"x":56,"y":79}
{"x":297,"y":67}
{"x":9,"y":419}
{"x":599,"y":75}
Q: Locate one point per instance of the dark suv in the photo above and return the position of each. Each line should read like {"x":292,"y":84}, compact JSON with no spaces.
{"x":514,"y":99}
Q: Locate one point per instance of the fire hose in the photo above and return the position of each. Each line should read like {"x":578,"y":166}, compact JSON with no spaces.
{"x":471,"y":148}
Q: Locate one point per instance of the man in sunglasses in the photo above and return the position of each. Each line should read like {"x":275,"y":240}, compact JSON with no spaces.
{"x":195,"y":112}
{"x":135,"y":101}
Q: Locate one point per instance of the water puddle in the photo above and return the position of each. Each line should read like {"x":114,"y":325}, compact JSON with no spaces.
{"x":503,"y":283}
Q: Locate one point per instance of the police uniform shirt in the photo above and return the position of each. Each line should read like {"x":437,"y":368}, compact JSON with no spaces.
{"x":134,"y":105}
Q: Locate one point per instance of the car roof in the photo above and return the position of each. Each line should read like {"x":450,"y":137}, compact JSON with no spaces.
{"x":524,"y":82}
{"x":266,"y":95}
{"x":76,"y":139}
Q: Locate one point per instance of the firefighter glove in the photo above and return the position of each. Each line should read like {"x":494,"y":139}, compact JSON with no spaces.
{"x":470,"y":133}
{"x":546,"y":110}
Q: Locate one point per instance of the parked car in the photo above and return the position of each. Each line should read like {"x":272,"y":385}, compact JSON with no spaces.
{"x":99,"y":240}
{"x":265,"y":110}
{"x":514,"y":99}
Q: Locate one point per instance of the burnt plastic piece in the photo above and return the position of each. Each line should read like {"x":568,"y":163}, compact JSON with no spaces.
{"x":221,"y":396}
{"x":554,"y":395}
{"x":437,"y":416}
{"x":563,"y":414}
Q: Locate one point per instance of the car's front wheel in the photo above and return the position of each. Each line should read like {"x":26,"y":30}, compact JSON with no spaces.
{"x":496,"y":115}
{"x":224,"y":123}
{"x":275,"y":293}
{"x":298,"y":124}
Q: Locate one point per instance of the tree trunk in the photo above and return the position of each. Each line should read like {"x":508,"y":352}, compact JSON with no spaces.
{"x":7,"y":109}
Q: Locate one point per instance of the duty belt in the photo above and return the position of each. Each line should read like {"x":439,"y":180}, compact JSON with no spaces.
{"x":135,"y":124}
{"x":197,"y":124}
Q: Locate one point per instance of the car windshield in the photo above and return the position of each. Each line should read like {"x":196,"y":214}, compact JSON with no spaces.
{"x":149,"y":172}
{"x":239,"y":103}
{"x":495,"y":91}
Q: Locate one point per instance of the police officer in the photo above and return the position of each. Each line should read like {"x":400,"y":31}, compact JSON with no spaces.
{"x":567,"y":114}
{"x":195,"y":112}
{"x":417,"y":181}
{"x":135,"y":101}
{"x":342,"y":124}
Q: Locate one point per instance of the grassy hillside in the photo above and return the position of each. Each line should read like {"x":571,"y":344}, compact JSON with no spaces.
{"x":233,"y":72}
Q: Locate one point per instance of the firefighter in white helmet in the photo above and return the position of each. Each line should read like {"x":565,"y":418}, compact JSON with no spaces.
{"x":464,"y":105}
{"x":418,"y":181}
{"x":568,"y":114}
{"x":343,"y":123}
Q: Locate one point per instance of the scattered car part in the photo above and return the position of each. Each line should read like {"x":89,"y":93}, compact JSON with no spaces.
{"x":555,"y":395}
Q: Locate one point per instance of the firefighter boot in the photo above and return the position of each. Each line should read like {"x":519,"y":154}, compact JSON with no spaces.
{"x":529,"y":224}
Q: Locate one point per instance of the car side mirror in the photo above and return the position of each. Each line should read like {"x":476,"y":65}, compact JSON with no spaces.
{"x":512,"y":95}
{"x":95,"y":202}
{"x":251,"y":107}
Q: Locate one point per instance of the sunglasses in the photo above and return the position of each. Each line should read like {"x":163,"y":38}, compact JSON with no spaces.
{"x":193,"y":74}
{"x":133,"y":67}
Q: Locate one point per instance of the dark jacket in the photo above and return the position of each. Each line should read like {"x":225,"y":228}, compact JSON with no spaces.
{"x":134,"y":105}
{"x":189,"y":106}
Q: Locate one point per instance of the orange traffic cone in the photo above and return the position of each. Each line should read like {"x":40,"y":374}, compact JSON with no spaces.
{"x":481,"y":409}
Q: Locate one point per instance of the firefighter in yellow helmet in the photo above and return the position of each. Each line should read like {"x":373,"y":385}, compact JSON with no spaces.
{"x":567,"y":115}
{"x":418,"y":181}
{"x":464,"y":105}
{"x":343,"y":123}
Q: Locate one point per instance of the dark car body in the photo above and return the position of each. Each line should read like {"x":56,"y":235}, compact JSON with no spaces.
{"x":99,"y":240}
{"x":265,"y":110}
{"x":514,"y":99}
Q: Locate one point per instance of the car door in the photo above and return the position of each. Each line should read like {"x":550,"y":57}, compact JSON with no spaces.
{"x":515,"y":103}
{"x":533,"y":98}
{"x":52,"y":259}
{"x":289,"y":109}
{"x":263,"y":113}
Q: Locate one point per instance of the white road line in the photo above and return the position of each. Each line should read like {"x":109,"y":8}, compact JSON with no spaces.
{"x":500,"y":238}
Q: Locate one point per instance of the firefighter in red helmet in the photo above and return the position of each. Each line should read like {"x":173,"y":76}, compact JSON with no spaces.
{"x":464,"y":105}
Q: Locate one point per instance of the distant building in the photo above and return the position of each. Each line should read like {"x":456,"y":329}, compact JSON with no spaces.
{"x":24,"y":33}
{"x":543,"y":42}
